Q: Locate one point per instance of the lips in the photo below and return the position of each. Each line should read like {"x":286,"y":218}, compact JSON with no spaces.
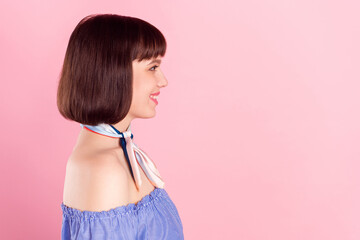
{"x":155,"y":94}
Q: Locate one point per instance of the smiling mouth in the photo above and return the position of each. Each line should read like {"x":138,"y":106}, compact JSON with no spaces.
{"x":154,"y":98}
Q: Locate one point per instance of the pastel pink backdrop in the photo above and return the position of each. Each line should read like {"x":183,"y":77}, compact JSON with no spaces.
{"x":256,"y":135}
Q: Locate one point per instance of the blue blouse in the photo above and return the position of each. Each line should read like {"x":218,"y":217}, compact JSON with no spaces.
{"x":153,"y":217}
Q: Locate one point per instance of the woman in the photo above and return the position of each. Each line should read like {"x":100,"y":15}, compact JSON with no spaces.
{"x":111,"y":75}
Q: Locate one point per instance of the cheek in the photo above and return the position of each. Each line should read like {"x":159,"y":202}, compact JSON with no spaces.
{"x":141,"y":97}
{"x":142,"y":89}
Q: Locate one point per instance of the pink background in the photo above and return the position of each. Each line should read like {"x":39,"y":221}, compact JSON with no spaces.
{"x":256,"y":135}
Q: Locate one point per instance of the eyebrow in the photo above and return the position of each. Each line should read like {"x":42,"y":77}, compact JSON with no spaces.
{"x":155,"y":61}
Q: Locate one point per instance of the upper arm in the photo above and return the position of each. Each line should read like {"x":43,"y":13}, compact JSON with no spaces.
{"x":98,"y":184}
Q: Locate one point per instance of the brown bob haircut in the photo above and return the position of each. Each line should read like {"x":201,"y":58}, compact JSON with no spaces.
{"x":96,"y":80}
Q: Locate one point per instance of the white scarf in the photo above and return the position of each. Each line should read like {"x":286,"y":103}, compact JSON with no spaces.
{"x":130,"y":150}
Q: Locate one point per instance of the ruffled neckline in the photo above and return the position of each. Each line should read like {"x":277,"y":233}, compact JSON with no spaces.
{"x":120,"y":210}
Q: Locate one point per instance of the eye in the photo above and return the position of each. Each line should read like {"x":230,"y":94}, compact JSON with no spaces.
{"x":154,"y":67}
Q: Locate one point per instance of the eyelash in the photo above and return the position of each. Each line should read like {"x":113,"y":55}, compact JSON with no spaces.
{"x":154,"y":67}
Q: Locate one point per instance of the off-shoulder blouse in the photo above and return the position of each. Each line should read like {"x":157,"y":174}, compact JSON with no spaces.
{"x":153,"y":217}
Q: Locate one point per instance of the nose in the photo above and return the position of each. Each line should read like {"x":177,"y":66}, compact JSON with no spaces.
{"x":163,"y":82}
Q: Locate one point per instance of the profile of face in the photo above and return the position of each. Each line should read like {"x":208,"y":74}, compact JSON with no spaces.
{"x":148,"y":79}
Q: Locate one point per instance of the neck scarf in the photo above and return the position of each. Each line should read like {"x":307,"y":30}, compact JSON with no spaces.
{"x":133,"y":154}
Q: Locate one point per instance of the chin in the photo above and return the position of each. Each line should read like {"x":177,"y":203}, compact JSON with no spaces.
{"x":153,"y":114}
{"x":149,"y":114}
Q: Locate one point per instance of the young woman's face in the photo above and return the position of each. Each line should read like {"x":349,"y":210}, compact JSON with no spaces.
{"x":147,"y":80}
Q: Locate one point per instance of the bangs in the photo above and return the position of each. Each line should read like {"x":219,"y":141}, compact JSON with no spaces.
{"x":150,"y":44}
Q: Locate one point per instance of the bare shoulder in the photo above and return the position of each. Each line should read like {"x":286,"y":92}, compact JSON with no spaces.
{"x":95,"y":183}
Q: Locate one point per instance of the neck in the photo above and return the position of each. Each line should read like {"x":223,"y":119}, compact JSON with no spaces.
{"x":98,"y":141}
